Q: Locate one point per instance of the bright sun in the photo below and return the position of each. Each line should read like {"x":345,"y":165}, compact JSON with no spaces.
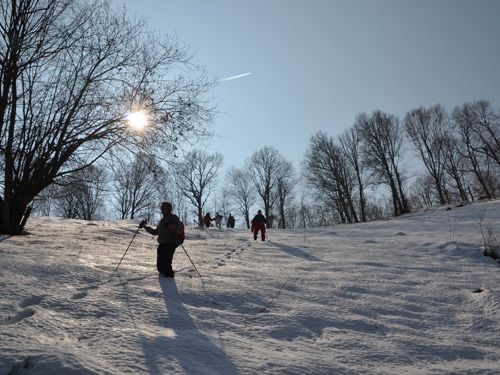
{"x":137,"y":120}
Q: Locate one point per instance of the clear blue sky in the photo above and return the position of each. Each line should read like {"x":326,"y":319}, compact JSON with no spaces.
{"x":316,"y":64}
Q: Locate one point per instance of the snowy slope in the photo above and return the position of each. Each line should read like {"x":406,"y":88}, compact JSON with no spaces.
{"x":397,"y":296}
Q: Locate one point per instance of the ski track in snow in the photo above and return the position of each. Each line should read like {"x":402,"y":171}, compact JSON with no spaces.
{"x":409,"y":295}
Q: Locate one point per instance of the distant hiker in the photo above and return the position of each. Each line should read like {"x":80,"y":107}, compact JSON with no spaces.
{"x":218,"y":220}
{"x":168,"y":230}
{"x":207,"y":219}
{"x":259,"y":223}
{"x":230,"y":221}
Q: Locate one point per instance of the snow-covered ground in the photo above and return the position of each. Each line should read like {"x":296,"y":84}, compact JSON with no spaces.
{"x":410,"y":295}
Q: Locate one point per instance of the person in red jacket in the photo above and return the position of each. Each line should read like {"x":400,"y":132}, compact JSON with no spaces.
{"x":207,"y":219}
{"x":259,"y":223}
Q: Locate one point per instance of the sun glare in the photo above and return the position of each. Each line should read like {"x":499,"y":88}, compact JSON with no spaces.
{"x":137,"y":120}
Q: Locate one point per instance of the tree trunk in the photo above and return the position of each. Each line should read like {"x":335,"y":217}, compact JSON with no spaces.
{"x":14,"y":215}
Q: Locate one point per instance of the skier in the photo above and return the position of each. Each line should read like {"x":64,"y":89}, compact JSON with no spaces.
{"x":259,"y":223}
{"x":168,"y":230}
{"x":230,"y":221}
{"x":218,"y":220}
{"x":207,"y":219}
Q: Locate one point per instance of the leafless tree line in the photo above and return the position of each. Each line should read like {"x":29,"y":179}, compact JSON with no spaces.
{"x":460,"y":151}
{"x":133,"y":188}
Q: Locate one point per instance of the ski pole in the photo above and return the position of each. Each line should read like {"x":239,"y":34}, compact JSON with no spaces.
{"x":196,"y":269}
{"x":135,"y":234}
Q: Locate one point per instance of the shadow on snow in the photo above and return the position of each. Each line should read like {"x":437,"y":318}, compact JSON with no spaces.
{"x":296,"y":252}
{"x":183,"y":344}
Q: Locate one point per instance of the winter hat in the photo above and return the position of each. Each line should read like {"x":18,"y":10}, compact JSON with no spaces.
{"x":167,"y":205}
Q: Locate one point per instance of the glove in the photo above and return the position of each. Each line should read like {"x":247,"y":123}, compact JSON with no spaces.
{"x":143,"y":223}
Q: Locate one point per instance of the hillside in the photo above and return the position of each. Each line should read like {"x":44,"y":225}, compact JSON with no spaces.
{"x":410,"y":295}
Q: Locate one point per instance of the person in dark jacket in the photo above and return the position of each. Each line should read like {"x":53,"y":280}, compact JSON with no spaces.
{"x":259,"y":223}
{"x":230,"y":221}
{"x":207,"y":219}
{"x":167,"y":230}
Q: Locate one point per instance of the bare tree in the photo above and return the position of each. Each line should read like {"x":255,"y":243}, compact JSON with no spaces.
{"x":473,"y":148}
{"x":328,"y":171}
{"x":423,"y":192}
{"x":195,"y":177}
{"x":264,"y":167}
{"x":383,"y":140}
{"x":455,"y":165}
{"x":428,"y":129}
{"x":241,"y":192}
{"x":135,"y":184}
{"x":43,"y":205}
{"x":485,"y":123}
{"x":351,"y":146}
{"x":81,"y":196}
{"x":70,"y":72}
{"x":285,"y":191}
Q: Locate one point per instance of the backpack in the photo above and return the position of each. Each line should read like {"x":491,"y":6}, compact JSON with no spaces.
{"x":181,"y":235}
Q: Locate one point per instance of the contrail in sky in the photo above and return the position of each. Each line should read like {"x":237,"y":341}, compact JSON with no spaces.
{"x":235,"y":77}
